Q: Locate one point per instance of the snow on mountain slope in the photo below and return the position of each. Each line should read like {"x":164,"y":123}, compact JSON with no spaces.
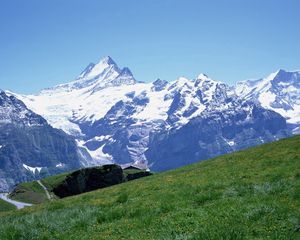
{"x":82,"y":98}
{"x":103,"y":74}
{"x":78,"y":101}
{"x":77,"y":105}
{"x":29,"y":147}
{"x":115,"y":118}
{"x":280,"y":92}
{"x":13,"y":111}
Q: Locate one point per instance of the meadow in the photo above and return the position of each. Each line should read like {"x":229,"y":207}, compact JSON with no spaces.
{"x":251,"y":194}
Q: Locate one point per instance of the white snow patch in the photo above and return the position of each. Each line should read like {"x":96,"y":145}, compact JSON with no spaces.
{"x":100,"y":155}
{"x":101,"y":138}
{"x":266,"y":98}
{"x":230,"y":142}
{"x":32,"y":169}
{"x":156,"y":108}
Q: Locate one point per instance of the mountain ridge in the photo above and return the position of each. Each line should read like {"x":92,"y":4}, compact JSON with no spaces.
{"x":115,"y":118}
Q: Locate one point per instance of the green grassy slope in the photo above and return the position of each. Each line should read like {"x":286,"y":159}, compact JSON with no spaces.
{"x":53,"y":181}
{"x":5,"y":206}
{"x":252,"y":194}
{"x":32,"y":192}
{"x":29,"y":192}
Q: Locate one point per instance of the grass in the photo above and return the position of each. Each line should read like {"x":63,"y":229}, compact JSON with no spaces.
{"x":29,"y":192}
{"x":252,"y":194}
{"x":132,"y":171}
{"x":5,"y":206}
{"x":32,"y":192}
{"x":53,"y":181}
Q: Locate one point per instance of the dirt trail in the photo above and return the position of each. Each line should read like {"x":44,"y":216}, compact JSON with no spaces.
{"x":46,"y":191}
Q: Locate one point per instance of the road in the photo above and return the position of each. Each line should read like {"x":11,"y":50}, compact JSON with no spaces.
{"x":19,"y":205}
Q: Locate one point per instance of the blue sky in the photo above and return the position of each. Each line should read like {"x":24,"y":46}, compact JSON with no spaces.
{"x":47,"y":42}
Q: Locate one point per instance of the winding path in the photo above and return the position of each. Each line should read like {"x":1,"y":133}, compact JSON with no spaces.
{"x":18,"y":204}
{"x":46,"y":191}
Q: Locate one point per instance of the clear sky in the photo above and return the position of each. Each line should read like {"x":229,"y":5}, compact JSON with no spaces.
{"x":47,"y":42}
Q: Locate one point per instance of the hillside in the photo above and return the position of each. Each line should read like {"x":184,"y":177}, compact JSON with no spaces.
{"x":5,"y":206}
{"x":34,"y":192}
{"x":251,"y":194}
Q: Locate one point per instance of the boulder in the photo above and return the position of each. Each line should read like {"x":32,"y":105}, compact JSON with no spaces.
{"x":89,"y":179}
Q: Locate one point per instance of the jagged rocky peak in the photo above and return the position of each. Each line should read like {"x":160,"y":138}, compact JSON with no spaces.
{"x":202,"y":76}
{"x":205,"y":83}
{"x":94,"y":70}
{"x":106,"y":73}
{"x":203,"y":79}
{"x":86,"y":70}
{"x":273,"y":82}
{"x":14,"y":111}
{"x":126,"y":71}
{"x":159,"y":85}
{"x":280,"y":92}
{"x":287,"y":77}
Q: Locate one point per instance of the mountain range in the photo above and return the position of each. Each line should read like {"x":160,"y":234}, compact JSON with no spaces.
{"x":112,"y":117}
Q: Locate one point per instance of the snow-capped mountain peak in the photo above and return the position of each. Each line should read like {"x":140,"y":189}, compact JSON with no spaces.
{"x":94,"y":77}
{"x":280,"y":91}
{"x":126,"y":71}
{"x":202,"y":76}
{"x":86,"y":71}
{"x":115,"y":118}
{"x":94,"y":70}
{"x":272,"y":81}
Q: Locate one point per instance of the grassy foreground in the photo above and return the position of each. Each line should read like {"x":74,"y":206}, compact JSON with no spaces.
{"x":5,"y":206}
{"x":252,"y":194}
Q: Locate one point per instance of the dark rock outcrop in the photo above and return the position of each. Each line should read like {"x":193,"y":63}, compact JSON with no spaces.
{"x":136,"y":175}
{"x":89,"y":179}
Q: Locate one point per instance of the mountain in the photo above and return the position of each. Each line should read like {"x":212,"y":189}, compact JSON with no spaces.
{"x":29,"y":147}
{"x":237,"y":125}
{"x":279,"y":92}
{"x":103,"y":74}
{"x":160,"y":124}
{"x":250,"y":194}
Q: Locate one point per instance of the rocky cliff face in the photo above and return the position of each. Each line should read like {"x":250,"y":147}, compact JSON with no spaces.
{"x":214,"y":133}
{"x":29,"y":147}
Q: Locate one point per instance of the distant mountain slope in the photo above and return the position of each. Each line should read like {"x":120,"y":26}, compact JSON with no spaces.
{"x":215,"y":132}
{"x":279,"y":92}
{"x":118,"y":119}
{"x":29,"y":147}
{"x":251,"y":194}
